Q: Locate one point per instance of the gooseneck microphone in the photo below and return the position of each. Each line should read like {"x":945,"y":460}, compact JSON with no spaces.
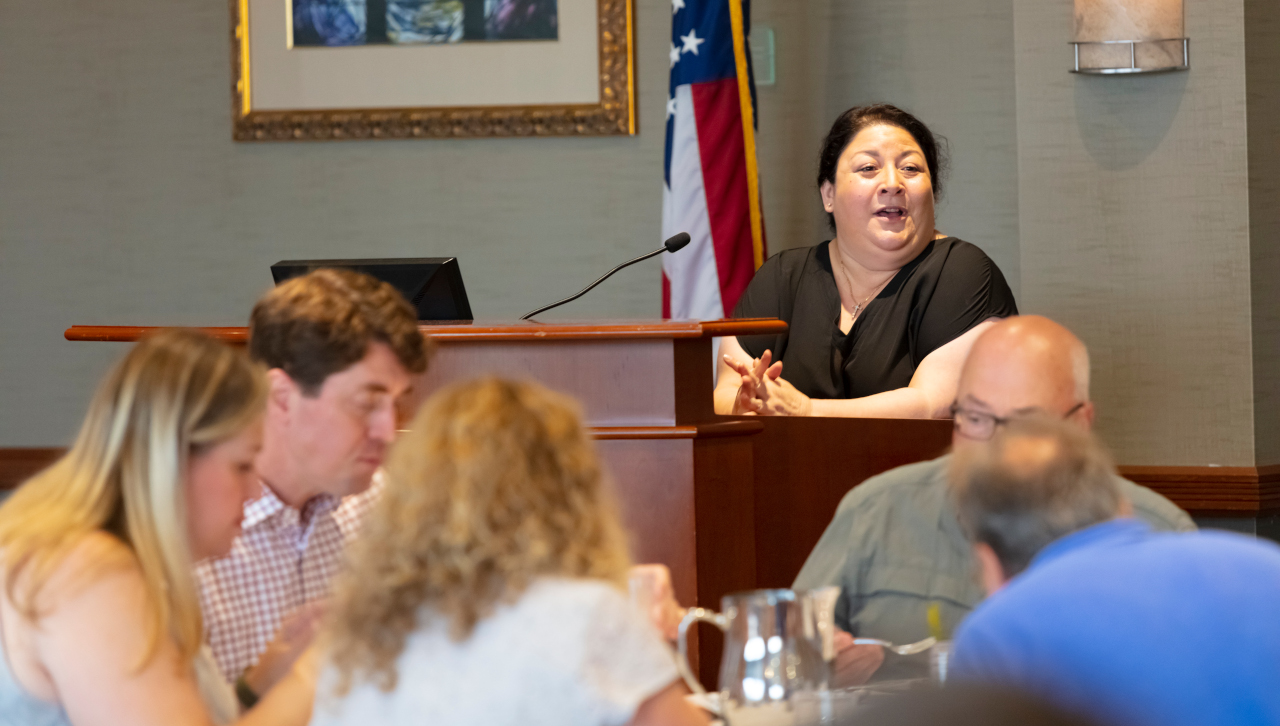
{"x":672,"y":245}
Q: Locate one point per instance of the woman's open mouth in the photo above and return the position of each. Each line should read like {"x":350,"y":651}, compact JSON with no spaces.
{"x":892,"y":214}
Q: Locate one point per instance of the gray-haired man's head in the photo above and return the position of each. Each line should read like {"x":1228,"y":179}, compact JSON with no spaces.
{"x":1036,"y":480}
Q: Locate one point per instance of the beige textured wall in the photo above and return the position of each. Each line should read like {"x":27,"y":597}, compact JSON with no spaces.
{"x":793,"y":119}
{"x":124,"y":200}
{"x":1134,"y":222}
{"x":1262,"y":52}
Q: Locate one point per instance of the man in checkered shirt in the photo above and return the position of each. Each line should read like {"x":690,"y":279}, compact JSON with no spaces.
{"x":342,"y":351}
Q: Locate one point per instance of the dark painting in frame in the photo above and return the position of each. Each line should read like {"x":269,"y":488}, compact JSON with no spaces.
{"x":610,"y":112}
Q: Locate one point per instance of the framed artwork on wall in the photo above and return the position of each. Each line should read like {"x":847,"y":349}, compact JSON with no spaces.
{"x":393,"y":69}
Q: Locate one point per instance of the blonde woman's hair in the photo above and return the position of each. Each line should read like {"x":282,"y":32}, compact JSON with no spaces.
{"x":496,"y":485}
{"x":175,"y":394}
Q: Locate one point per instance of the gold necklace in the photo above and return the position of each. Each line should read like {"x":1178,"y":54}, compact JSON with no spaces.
{"x":857,"y":306}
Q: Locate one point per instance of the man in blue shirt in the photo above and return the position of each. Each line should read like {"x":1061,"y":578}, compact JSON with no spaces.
{"x":1094,"y":611}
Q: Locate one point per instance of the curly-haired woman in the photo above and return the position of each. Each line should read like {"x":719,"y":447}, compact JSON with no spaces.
{"x":489,"y":585}
{"x":99,"y":618}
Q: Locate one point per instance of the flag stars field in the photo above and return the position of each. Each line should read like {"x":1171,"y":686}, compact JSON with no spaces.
{"x":691,"y":42}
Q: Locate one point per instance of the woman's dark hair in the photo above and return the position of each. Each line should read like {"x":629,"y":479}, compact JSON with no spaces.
{"x":858,"y":118}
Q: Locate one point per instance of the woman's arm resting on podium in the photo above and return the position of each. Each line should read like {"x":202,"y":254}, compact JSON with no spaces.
{"x":929,"y":395}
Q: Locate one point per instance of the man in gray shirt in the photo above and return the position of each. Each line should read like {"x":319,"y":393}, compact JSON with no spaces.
{"x":895,"y":547}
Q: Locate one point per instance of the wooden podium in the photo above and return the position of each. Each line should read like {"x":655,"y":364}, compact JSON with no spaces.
{"x":728,"y":503}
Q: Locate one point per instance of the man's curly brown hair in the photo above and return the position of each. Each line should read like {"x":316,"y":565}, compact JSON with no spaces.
{"x":496,"y":485}
{"x":323,"y":322}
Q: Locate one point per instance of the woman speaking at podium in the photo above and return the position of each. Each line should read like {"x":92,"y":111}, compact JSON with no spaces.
{"x":882,"y":316}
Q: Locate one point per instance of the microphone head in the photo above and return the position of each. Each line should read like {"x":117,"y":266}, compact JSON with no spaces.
{"x":677,"y":242}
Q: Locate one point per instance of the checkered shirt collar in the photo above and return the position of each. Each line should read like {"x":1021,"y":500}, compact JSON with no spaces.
{"x":259,"y":510}
{"x":270,"y":507}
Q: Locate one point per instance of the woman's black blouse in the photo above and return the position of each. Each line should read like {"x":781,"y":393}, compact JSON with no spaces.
{"x":947,"y":289}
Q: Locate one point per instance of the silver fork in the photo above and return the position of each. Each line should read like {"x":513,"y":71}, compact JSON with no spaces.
{"x":909,"y":649}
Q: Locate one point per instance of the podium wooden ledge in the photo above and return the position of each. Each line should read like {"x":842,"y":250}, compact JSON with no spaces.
{"x":475,"y":332}
{"x":703,"y":431}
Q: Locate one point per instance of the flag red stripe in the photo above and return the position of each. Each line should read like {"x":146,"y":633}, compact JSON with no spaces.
{"x":666,"y":297}
{"x":724,"y":175}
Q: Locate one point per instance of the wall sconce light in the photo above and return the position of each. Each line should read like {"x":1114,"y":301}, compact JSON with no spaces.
{"x":1129,"y":36}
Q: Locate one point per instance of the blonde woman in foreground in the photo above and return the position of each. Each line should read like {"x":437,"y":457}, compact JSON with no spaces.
{"x":99,"y":616}
{"x":488,"y":586}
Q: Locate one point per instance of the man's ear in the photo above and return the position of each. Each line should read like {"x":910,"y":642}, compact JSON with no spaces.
{"x":281,"y":390}
{"x":1085,"y":415}
{"x":989,"y":568}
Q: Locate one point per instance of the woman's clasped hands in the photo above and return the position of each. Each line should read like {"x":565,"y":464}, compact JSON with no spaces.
{"x":763,"y":391}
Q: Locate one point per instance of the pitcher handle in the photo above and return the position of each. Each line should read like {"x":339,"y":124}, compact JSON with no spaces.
{"x":695,"y":615}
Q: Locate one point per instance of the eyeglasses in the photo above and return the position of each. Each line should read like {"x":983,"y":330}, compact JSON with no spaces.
{"x":982,"y":426}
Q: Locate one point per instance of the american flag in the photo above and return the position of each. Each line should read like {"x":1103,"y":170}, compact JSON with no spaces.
{"x":711,"y":187}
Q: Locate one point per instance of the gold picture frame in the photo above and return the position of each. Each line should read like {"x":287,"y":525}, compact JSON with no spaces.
{"x":613,"y":115}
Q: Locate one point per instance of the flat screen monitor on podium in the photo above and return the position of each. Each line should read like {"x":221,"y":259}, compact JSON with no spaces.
{"x":433,"y":285}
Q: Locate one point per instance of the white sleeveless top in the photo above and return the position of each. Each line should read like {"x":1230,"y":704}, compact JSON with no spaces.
{"x":567,"y":653}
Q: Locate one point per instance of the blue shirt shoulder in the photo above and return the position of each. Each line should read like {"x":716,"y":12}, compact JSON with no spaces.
{"x":1133,"y":625}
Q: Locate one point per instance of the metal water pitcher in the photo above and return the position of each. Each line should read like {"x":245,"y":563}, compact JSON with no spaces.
{"x":776,"y":643}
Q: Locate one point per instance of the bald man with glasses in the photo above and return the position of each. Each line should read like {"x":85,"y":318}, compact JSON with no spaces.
{"x":895,"y":547}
